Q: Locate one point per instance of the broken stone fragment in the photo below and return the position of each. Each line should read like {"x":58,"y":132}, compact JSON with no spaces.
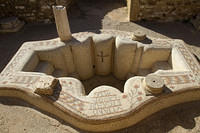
{"x":154,"y":84}
{"x":45,"y":86}
{"x":82,"y":56}
{"x":123,"y":57}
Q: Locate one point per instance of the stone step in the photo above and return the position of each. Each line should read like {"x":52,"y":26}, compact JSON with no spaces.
{"x":45,"y":67}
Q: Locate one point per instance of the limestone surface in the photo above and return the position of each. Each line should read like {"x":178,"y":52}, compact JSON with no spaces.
{"x":104,"y":108}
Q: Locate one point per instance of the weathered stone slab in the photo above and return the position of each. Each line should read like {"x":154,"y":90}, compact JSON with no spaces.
{"x":124,"y":57}
{"x":68,"y":58}
{"x":152,"y":55}
{"x":103,"y":48}
{"x":55,"y":56}
{"x":138,"y":55}
{"x":83,"y":57}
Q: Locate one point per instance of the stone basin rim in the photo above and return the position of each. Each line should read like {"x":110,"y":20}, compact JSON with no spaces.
{"x":132,"y":105}
{"x":95,"y":123}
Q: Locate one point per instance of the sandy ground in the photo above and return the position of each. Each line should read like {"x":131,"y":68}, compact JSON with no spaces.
{"x":17,"y":116}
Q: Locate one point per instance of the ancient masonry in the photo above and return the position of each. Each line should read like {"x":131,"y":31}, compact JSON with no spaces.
{"x":163,"y":10}
{"x":40,"y":73}
{"x":31,"y":10}
{"x":167,"y":10}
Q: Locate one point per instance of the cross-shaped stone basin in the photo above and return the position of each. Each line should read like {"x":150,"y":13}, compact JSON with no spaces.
{"x":54,"y":76}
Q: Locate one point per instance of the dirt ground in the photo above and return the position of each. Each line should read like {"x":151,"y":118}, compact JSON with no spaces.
{"x":17,"y":116}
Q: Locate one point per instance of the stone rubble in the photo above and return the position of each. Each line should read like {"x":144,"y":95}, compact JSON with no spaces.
{"x":10,"y":24}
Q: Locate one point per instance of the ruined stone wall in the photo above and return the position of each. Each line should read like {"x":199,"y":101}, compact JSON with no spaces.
{"x":30,"y":10}
{"x":159,"y":10}
{"x":168,"y":10}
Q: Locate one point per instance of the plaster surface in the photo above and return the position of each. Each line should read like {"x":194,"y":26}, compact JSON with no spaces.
{"x":104,"y":106}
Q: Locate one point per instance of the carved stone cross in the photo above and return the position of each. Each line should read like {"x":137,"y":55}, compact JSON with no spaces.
{"x":101,"y":55}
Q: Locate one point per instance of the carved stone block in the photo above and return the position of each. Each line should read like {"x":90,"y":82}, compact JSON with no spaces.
{"x":103,"y":48}
{"x":124,"y":57}
{"x":154,"y":84}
